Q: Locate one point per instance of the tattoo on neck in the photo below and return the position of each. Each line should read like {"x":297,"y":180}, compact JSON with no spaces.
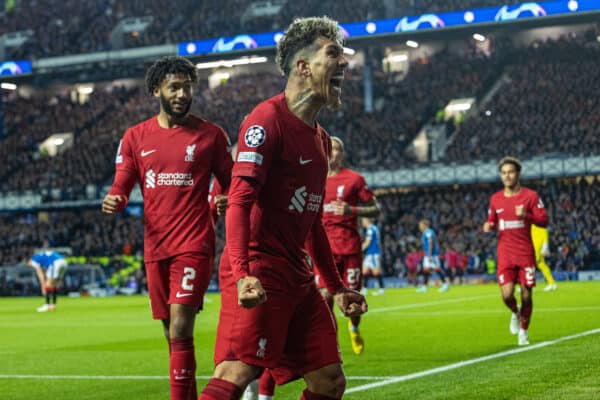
{"x":302,"y":97}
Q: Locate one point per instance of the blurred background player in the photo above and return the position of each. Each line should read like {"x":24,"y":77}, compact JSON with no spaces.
{"x":539,"y":236}
{"x":50,"y":267}
{"x":272,"y":315}
{"x":412,"y":261}
{"x":454,"y":265}
{"x":512,"y":211}
{"x":347,"y":197}
{"x":371,"y":246}
{"x":431,"y":257}
{"x":172,"y":156}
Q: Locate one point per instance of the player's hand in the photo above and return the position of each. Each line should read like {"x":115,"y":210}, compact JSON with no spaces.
{"x":110,"y":204}
{"x":545,"y":253}
{"x":221,"y":204}
{"x":351,"y":302}
{"x":487,"y":227}
{"x":520,"y":211}
{"x":250,"y":292}
{"x":340,"y":207}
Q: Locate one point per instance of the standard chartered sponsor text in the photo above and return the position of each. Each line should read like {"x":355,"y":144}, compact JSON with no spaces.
{"x":174,"y":179}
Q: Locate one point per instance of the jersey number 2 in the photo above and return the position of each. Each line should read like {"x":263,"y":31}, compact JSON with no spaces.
{"x":189,"y":274}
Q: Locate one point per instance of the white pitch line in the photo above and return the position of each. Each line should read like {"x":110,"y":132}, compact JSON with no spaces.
{"x":149,"y":377}
{"x":430,"y":303}
{"x":461,"y":364}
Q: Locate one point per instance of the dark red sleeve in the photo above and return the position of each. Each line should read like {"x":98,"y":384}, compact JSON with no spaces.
{"x":243,"y":192}
{"x":223,"y":163}
{"x":365,"y":195}
{"x":320,"y":250}
{"x":215,"y":190}
{"x":492,"y":218}
{"x":537,"y":213}
{"x":125,"y":171}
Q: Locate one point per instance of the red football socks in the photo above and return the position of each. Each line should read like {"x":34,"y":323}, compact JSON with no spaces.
{"x":308,"y":395}
{"x":219,"y":389}
{"x":526,"y":310}
{"x":266,"y":384}
{"x":182,"y":369}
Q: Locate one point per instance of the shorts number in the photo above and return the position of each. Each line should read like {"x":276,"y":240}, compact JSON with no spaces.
{"x":352,"y":276}
{"x":189,"y":274}
{"x":530,"y":275}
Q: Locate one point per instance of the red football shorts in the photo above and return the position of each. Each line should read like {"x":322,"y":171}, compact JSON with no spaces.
{"x":182,"y":279}
{"x":516,"y":269}
{"x":292,"y":333}
{"x":350,"y":268}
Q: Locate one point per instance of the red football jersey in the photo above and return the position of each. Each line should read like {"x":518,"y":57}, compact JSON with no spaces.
{"x":514,"y":233}
{"x":289,"y":159}
{"x":342,"y":230}
{"x":173,"y":168}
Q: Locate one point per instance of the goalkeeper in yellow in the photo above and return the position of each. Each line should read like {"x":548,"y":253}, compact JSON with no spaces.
{"x":539,"y":236}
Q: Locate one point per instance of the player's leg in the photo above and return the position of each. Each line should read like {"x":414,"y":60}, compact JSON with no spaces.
{"x":266,"y":386}
{"x":366,"y":273}
{"x":444,"y":279}
{"x":189,"y":276}
{"x":527,"y":280}
{"x":228,"y":380}
{"x":351,"y":273}
{"x":507,"y":276}
{"x":46,"y":290}
{"x":326,"y":383}
{"x":311,"y":351}
{"x":424,"y":272}
{"x":249,"y":340}
{"x":545,"y":269}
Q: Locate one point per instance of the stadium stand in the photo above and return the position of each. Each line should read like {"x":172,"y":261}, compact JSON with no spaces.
{"x":57,"y":25}
{"x":549,"y":105}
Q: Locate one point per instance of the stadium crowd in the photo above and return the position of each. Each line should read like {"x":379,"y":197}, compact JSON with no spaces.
{"x":550,"y":105}
{"x":58,"y":24}
{"x":98,"y":125}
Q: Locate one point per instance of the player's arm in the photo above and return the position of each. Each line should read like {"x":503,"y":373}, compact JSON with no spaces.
{"x":40,"y":275}
{"x":492,"y":219}
{"x":222,"y":162}
{"x":367,"y":242}
{"x":537,"y":213}
{"x":350,"y":301}
{"x":125,"y":177}
{"x":242,"y":195}
{"x":258,"y":143}
{"x":370,"y":209}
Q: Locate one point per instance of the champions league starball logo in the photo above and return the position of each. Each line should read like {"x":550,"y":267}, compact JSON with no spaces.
{"x":255,"y":136}
{"x":425,"y":21}
{"x":238,"y":42}
{"x":524,"y":10}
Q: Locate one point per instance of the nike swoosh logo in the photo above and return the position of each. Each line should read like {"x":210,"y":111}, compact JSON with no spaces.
{"x":302,"y":162}
{"x":498,"y":211}
{"x":180,"y":295}
{"x":146,"y":153}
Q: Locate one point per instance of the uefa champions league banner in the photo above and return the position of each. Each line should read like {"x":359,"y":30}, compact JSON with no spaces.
{"x":14,"y":68}
{"x":463,"y":18}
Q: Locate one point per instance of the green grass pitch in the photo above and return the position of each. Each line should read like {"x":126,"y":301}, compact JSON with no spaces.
{"x":110,"y":348}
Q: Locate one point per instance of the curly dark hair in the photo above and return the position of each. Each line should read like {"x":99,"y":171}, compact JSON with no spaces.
{"x":510,"y":160}
{"x":301,"y":34}
{"x":158,"y":71}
